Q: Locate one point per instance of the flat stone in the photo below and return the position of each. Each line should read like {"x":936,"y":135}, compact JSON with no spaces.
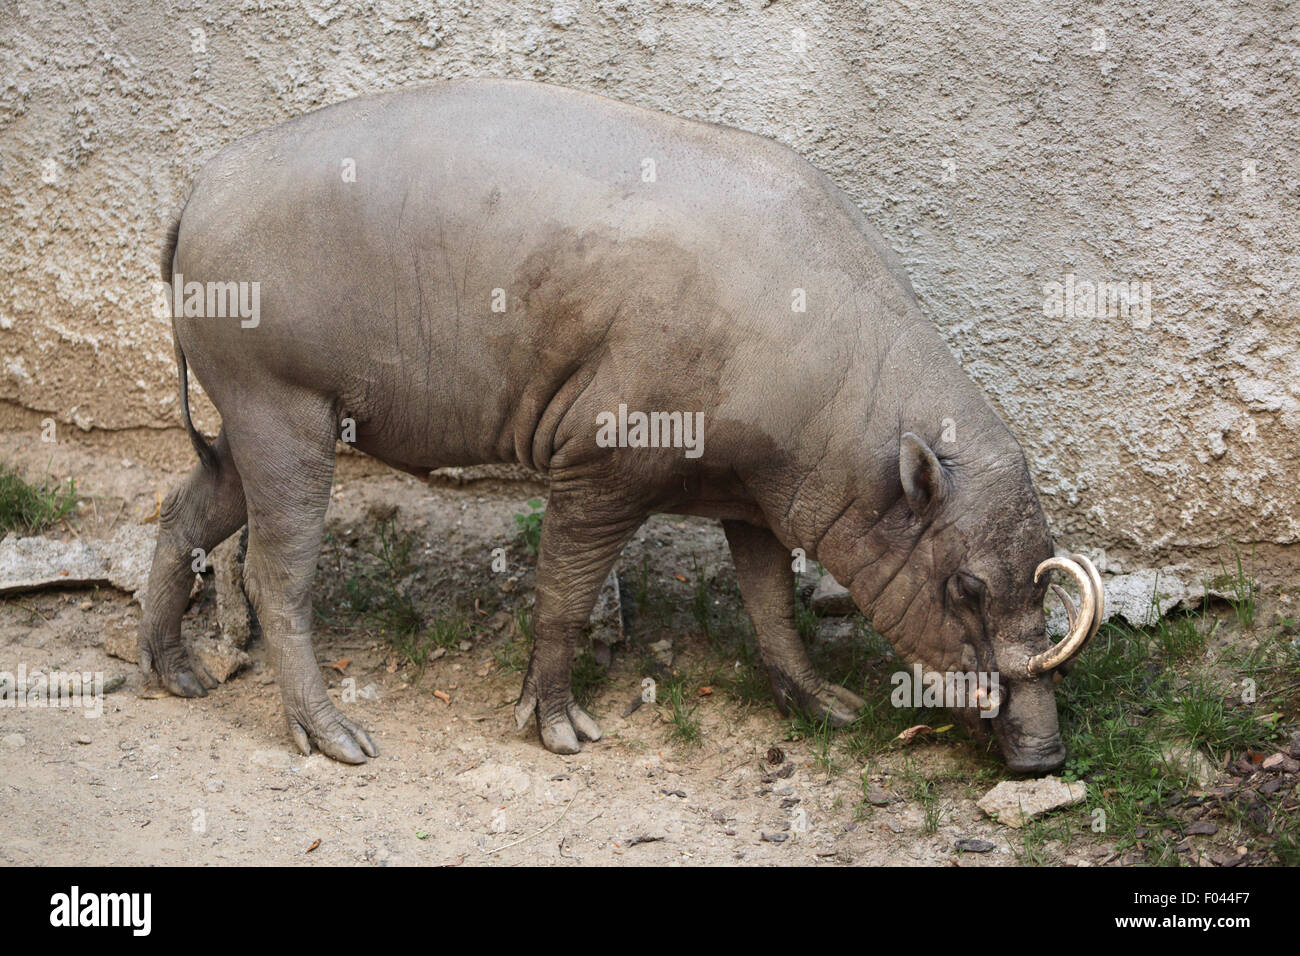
{"x":272,"y":759}
{"x":1129,"y":597}
{"x":663,"y":651}
{"x":29,"y":564}
{"x":219,"y":658}
{"x":972,"y":845}
{"x":120,"y":642}
{"x":832,"y":598}
{"x":222,"y":659}
{"x":1015,"y":802}
{"x":234,"y":613}
{"x":1185,"y":761}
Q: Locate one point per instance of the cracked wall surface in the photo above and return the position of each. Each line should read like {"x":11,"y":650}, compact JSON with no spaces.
{"x":1008,"y":155}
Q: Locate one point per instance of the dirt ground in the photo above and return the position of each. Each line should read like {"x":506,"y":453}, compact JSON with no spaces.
{"x":163,"y":780}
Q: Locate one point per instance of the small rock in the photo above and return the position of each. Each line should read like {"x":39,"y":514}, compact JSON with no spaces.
{"x":775,"y":837}
{"x":120,"y":642}
{"x":832,"y":598}
{"x":234,"y":612}
{"x":663,"y":652}
{"x":114,"y":683}
{"x":14,"y":740}
{"x":972,"y":845}
{"x":1185,"y":761}
{"x":84,"y":739}
{"x":878,"y":798}
{"x":1202,"y":828}
{"x":219,"y":658}
{"x":1015,"y":802}
{"x":1280,"y":763}
{"x":272,"y":759}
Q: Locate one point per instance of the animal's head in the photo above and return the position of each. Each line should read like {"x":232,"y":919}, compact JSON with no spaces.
{"x":967,"y":598}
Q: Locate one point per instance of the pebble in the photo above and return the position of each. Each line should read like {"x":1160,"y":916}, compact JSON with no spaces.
{"x":272,"y":759}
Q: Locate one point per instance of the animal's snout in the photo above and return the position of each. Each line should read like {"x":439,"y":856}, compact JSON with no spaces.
{"x":1035,"y":755}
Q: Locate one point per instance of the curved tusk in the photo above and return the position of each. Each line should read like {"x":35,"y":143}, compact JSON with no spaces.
{"x":1084,"y":620}
{"x":1066,"y":602}
{"x":1098,"y":591}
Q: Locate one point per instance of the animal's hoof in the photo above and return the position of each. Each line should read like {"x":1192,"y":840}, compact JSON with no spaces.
{"x":333,"y":734}
{"x":176,"y":670}
{"x":561,"y":727}
{"x":817,"y":698}
{"x":840,"y":704}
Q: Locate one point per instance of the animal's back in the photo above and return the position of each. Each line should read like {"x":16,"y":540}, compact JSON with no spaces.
{"x":443,"y":256}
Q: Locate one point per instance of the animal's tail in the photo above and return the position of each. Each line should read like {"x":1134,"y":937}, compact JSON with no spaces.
{"x":205,"y":451}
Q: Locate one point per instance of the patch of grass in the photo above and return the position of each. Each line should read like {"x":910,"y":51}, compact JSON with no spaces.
{"x":1242,"y":586}
{"x":512,"y":655}
{"x":701,"y":599}
{"x":925,"y":791}
{"x":1181,"y":636}
{"x":743,"y":675}
{"x":28,"y":508}
{"x":1036,"y":834}
{"x":588,"y":677}
{"x":678,"y":706}
{"x":375,"y":592}
{"x":528,"y":525}
{"x":1137,"y":694}
{"x":805,"y":619}
{"x":820,"y":733}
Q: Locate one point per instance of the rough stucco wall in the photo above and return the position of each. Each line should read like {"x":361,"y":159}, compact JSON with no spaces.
{"x":996,"y":150}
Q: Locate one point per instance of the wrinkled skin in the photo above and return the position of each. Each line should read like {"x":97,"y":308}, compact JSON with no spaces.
{"x":670,"y":295}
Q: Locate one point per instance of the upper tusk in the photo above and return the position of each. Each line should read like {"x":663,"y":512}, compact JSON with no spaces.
{"x":1098,"y":591}
{"x":1084,"y":620}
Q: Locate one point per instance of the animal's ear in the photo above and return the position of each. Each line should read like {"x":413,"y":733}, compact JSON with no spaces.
{"x":923,"y":478}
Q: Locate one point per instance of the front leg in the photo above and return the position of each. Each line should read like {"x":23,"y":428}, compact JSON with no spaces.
{"x":583,"y":531}
{"x":767,"y":585}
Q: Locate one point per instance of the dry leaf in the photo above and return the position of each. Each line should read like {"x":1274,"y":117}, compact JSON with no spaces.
{"x":341,"y":664}
{"x":680,"y":577}
{"x":706,"y":691}
{"x":908,"y":735}
{"x":313,"y":846}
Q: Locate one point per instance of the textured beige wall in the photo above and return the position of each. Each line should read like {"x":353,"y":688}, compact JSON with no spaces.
{"x":997,"y":149}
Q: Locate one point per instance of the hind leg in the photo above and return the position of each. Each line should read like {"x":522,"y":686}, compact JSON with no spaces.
{"x":201,"y":512}
{"x":287,"y":462}
{"x":585,"y":528}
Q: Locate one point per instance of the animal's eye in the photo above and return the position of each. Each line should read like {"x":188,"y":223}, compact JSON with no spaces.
{"x":965,"y":588}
